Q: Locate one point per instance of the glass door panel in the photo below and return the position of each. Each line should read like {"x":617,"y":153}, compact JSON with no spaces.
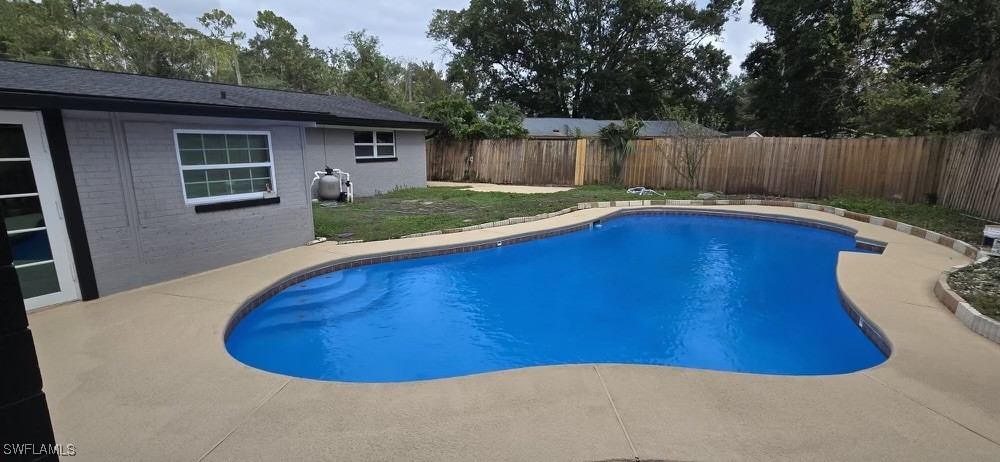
{"x":28,"y":199}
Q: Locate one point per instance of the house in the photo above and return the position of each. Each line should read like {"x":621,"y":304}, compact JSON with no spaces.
{"x":112,"y":181}
{"x":744,"y":134}
{"x":556,"y":128}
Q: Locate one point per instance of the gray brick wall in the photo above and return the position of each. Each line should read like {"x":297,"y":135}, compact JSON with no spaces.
{"x":335,"y":147}
{"x":139,"y":228}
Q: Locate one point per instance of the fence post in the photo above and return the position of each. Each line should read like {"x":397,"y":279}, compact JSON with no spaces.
{"x":581,"y":161}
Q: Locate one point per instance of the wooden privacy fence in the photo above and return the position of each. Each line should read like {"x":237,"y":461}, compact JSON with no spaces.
{"x":962,"y":171}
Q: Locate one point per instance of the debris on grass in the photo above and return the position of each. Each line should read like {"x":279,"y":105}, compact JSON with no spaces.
{"x":979,"y":284}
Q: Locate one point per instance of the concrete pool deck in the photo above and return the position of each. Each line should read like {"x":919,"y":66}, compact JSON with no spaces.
{"x":144,"y":375}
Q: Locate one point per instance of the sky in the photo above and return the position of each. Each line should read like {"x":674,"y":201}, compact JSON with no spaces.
{"x":401,"y":25}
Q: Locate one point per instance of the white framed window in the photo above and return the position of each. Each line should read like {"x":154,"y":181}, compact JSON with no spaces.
{"x":224,"y":165}
{"x":374,"y":143}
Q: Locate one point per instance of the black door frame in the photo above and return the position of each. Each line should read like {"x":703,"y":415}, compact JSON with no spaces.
{"x":25,"y":423}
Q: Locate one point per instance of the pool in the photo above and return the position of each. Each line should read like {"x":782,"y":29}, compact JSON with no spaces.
{"x":706,"y":292}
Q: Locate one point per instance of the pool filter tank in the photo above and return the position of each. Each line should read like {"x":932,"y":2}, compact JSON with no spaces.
{"x":333,"y":185}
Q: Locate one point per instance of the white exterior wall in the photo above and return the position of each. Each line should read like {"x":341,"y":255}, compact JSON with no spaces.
{"x":140,"y":230}
{"x":335,"y":147}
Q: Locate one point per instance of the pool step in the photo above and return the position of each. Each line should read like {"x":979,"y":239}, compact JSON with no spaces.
{"x":349,"y":282}
{"x":348,"y":302}
{"x":355,"y":289}
{"x":329,"y":309}
{"x":316,"y":284}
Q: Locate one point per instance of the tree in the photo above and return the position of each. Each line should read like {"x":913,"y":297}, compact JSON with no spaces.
{"x":367,"y":73}
{"x":109,"y":36}
{"x":224,"y":46}
{"x":950,"y":43}
{"x":893,"y":106}
{"x":146,"y":41}
{"x":502,"y":120}
{"x":804,"y":80}
{"x":620,"y":140}
{"x":882,"y":67}
{"x":427,"y":84}
{"x":584,"y":58}
{"x":457,"y":115}
{"x":689,"y":148}
{"x":37,"y":32}
{"x":277,"y":58}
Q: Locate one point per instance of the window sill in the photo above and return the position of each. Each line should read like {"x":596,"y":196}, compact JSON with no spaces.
{"x":365,"y":160}
{"x":240,"y":204}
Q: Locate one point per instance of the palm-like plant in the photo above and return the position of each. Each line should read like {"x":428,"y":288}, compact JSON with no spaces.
{"x":620,"y":140}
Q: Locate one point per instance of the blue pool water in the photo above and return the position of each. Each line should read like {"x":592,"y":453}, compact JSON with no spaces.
{"x":677,"y":290}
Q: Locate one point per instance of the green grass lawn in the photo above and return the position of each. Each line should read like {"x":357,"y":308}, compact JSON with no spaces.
{"x":419,"y":210}
{"x":942,"y":220}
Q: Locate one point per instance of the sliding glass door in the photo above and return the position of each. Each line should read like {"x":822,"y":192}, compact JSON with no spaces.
{"x":31,"y":210}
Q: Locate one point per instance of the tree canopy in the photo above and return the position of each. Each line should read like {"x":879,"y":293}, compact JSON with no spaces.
{"x":825,"y":68}
{"x":880,"y":67}
{"x":461,"y":122}
{"x":130,"y":38}
{"x":586,"y":58}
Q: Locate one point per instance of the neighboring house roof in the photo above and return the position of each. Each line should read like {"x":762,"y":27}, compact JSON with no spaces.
{"x":554,"y":127}
{"x":49,"y":86}
{"x":743,"y":134}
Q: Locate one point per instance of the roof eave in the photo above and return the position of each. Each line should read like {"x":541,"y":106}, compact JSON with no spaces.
{"x":31,"y":100}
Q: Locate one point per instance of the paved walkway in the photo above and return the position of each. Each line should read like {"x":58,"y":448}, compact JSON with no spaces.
{"x":144,"y":375}
{"x":490,"y":187}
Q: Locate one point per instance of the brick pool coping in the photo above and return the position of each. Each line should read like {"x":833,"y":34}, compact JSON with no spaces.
{"x":872,"y":331}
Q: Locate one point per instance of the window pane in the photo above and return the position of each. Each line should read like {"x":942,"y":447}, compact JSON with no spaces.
{"x":236,"y":141}
{"x":194,"y":176}
{"x":364,"y":151}
{"x":385,"y":137}
{"x":257,"y":141}
{"x":192,"y":158}
{"x":239,"y":173}
{"x":30,"y":247}
{"x":218,"y":175}
{"x":227,"y":149}
{"x":239,"y":156}
{"x":189,"y":141}
{"x":21,"y":213}
{"x":38,"y":280}
{"x":362,"y":137}
{"x":260,"y":185}
{"x":12,"y":142}
{"x":214,"y":141}
{"x":261,"y":172}
{"x":259,"y":155}
{"x":216,"y":156}
{"x":242,"y":186}
{"x":16,"y":178}
{"x":196,"y":190}
{"x":220,"y":188}
{"x":386,"y":151}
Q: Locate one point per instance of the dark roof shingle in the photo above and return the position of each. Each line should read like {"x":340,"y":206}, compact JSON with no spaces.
{"x":45,"y":79}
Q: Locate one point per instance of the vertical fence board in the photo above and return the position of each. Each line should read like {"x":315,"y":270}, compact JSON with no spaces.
{"x":962,"y":171}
